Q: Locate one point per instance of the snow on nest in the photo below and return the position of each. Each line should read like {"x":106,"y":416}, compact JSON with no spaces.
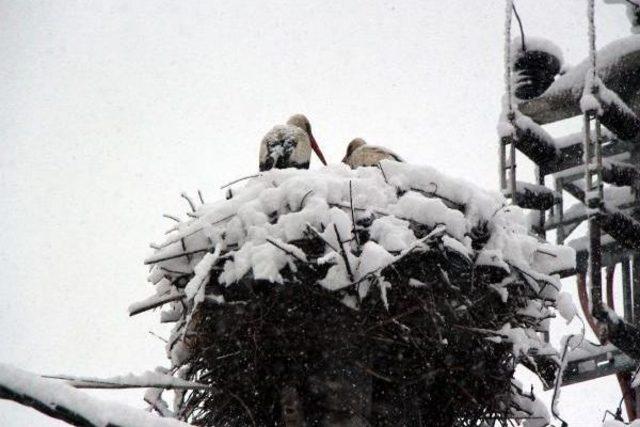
{"x":254,"y":232}
{"x":254,"y":228}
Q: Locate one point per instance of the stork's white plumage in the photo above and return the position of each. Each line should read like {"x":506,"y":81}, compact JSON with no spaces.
{"x":359,"y":153}
{"x":289,"y":146}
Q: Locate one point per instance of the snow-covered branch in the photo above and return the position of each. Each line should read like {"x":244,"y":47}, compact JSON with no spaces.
{"x":62,"y":401}
{"x":146,"y":380}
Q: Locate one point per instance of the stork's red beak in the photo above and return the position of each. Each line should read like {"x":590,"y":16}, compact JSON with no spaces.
{"x":316,"y":148}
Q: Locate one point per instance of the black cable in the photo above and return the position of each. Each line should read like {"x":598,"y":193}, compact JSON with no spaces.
{"x":515,"y":12}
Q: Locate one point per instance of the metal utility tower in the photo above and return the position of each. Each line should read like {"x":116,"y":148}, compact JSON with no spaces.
{"x":599,"y":167}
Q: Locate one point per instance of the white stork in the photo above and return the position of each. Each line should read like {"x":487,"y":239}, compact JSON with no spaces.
{"x":359,"y":153}
{"x":289,"y":146}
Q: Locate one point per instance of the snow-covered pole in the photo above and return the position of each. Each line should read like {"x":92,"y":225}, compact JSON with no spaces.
{"x":508,"y":140}
{"x":593,"y":163}
{"x":507,"y":56}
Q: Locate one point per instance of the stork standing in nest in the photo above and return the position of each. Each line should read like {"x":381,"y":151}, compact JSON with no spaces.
{"x":289,"y":146}
{"x":359,"y":153}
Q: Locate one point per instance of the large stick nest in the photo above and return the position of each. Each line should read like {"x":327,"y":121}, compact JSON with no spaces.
{"x":428,"y":334}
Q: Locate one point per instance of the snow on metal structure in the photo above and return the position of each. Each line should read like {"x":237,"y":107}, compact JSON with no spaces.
{"x":600,"y":167}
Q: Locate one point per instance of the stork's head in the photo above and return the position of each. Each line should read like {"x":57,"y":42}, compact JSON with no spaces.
{"x":301,"y":121}
{"x":353,"y":146}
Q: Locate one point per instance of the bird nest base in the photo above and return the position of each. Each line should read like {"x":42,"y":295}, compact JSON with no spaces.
{"x":294,"y":350}
{"x":414,"y":311}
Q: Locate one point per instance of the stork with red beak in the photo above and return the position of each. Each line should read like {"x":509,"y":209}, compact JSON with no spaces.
{"x":289,"y":146}
{"x":359,"y":153}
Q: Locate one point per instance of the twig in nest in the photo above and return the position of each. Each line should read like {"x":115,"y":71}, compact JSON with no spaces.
{"x":153,"y":334}
{"x":288,"y":252}
{"x":532,"y":277}
{"x":374,"y":373}
{"x":353,"y":215}
{"x":96,"y":383}
{"x":244,"y":406}
{"x":480,"y":331}
{"x":160,"y":410}
{"x":175,"y":218}
{"x":200,"y":197}
{"x":238,"y":180}
{"x":157,"y":303}
{"x":152,"y":260}
{"x":176,"y":238}
{"x":546,"y":253}
{"x":434,"y":193}
{"x":394,"y":318}
{"x":318,"y":235}
{"x":344,"y":254}
{"x":305,"y":198}
{"x":168,"y":270}
{"x":188,"y":199}
{"x":383,"y":174}
{"x":435,"y":233}
{"x":376,"y":211}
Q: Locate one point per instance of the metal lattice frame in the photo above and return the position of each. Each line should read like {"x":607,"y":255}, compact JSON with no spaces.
{"x":581,"y":171}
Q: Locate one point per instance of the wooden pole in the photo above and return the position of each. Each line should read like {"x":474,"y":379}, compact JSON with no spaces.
{"x":592,"y":202}
{"x":635,"y":286}
{"x":627,"y":297}
{"x":558,"y":213}
{"x":541,"y":213}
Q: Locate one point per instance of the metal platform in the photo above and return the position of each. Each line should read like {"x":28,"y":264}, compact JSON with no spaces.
{"x":608,"y":362}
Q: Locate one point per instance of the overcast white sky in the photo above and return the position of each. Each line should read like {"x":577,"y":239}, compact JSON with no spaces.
{"x":110,"y":109}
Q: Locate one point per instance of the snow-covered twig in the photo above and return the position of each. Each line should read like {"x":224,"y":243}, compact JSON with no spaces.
{"x":146,"y":380}
{"x":307,"y":194}
{"x":319,"y":235}
{"x":343,"y":253}
{"x":238,"y":180}
{"x":434,"y":193}
{"x":153,"y":302}
{"x":481,"y":331}
{"x":153,"y":397}
{"x":285,"y":250}
{"x":435,"y":233}
{"x":178,"y":236}
{"x":188,"y":199}
{"x":171,"y":217}
{"x":155,"y":260}
{"x":353,"y":215}
{"x":384,"y":175}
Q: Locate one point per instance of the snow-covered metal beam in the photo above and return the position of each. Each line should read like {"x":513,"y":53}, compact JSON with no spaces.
{"x":612,"y":253}
{"x":618,"y":65}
